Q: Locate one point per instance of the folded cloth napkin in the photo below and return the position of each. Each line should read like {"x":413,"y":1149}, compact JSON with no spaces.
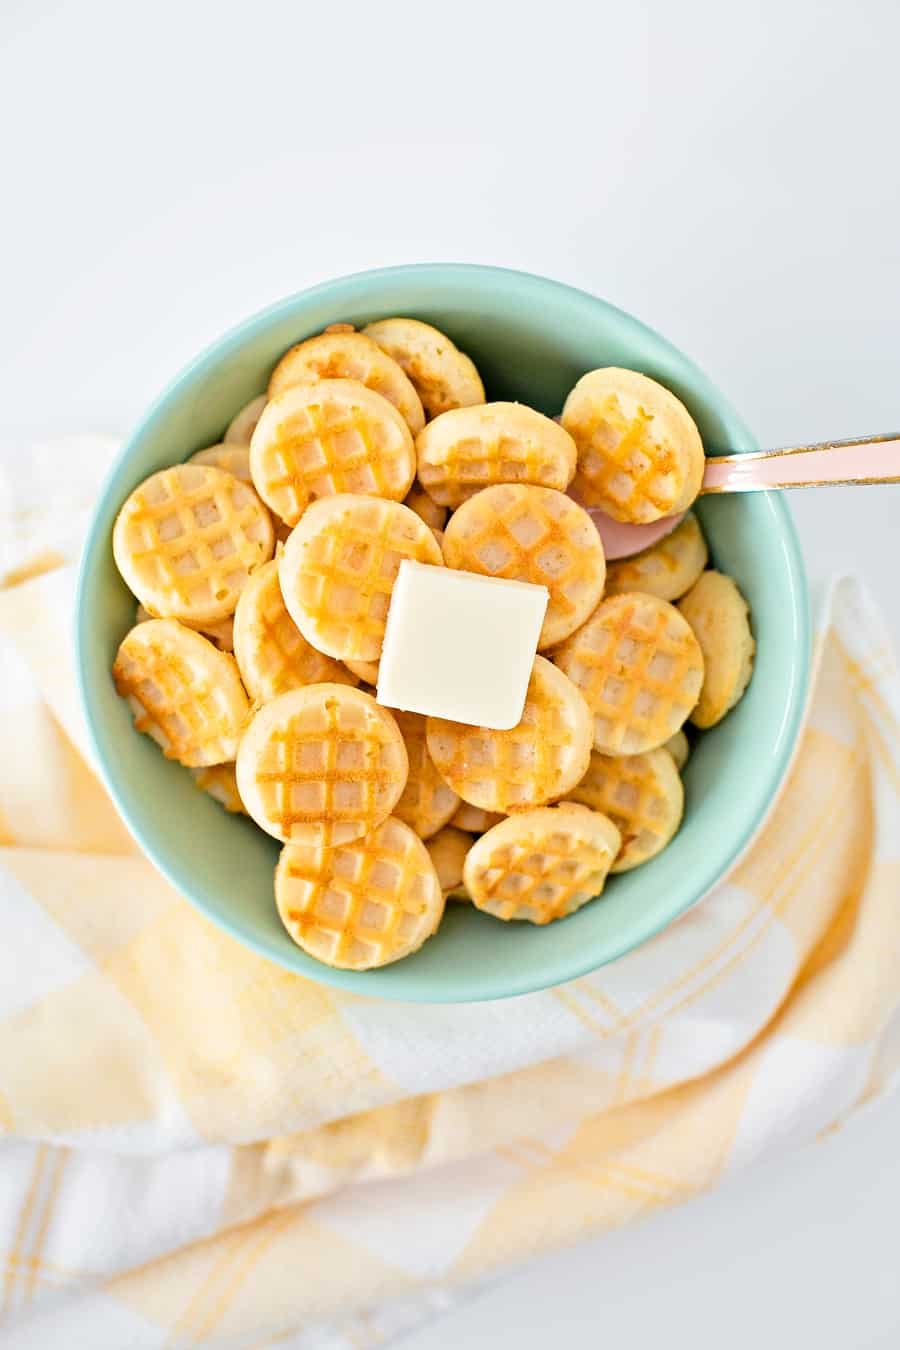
{"x":202,"y":1149}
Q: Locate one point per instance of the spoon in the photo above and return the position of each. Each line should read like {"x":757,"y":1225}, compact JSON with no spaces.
{"x":867,"y":459}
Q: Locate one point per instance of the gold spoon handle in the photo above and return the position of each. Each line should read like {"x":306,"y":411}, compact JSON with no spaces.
{"x":868,"y":459}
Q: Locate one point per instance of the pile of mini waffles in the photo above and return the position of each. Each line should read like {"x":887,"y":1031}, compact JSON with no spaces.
{"x":264,"y":568}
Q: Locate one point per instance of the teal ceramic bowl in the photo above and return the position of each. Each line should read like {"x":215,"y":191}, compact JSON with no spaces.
{"x":531,"y":339}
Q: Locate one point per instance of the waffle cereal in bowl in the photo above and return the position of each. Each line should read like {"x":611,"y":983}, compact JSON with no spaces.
{"x":334,"y":436}
{"x":321,"y":763}
{"x":361,"y":904}
{"x":640,"y":668}
{"x":640,"y":456}
{"x":338,"y":569}
{"x":537,"y":535}
{"x":438,"y":688}
{"x":442,"y":375}
{"x":541,"y":865}
{"x":467,"y":449}
{"x":349,"y":356}
{"x":187,"y":540}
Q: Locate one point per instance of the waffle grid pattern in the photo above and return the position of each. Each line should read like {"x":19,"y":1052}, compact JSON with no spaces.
{"x":191,"y":703}
{"x":643,"y":797}
{"x":640,"y":668}
{"x":318,"y":441}
{"x":338,"y":572}
{"x":272,"y":653}
{"x":533,"y":534}
{"x":342,"y":354}
{"x":666,"y":570}
{"x":473,"y":448}
{"x":443,"y":376}
{"x":621,"y":465}
{"x":427,"y":803}
{"x":331,"y":772}
{"x":363,"y":904}
{"x":507,"y":771}
{"x":188,"y":538}
{"x":550,"y":871}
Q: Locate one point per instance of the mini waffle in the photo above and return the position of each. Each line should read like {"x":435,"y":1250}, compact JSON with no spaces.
{"x":242,"y":426}
{"x":640,"y":455}
{"x":442,"y":375}
{"x":343,"y":355}
{"x":321,"y":765}
{"x":316,"y":440}
{"x":666,"y":570}
{"x":474,"y":819}
{"x":447,"y":850}
{"x":418,"y":500}
{"x":427,"y":803}
{"x":720,"y":619}
{"x":365,"y":671}
{"x":338,"y":569}
{"x":541,"y":865}
{"x":679,"y":747}
{"x":220,"y":782}
{"x":233,"y":459}
{"x":182,"y":691}
{"x":362,"y":904}
{"x":222,"y":634}
{"x":642,"y":795}
{"x":541,"y":758}
{"x":532,"y":534}
{"x":640,"y":668}
{"x":468,"y":449}
{"x":187,"y":540}
{"x":272,"y":654}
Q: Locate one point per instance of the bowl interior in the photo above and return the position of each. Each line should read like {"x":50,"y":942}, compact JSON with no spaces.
{"x":531,"y":339}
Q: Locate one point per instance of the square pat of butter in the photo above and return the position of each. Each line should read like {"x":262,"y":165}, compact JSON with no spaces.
{"x":459,"y":645}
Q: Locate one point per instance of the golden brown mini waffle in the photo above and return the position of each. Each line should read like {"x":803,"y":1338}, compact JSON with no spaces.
{"x":474,"y":819}
{"x":541,"y":758}
{"x":321,"y":765}
{"x":679,"y":747}
{"x":468,"y":449}
{"x":447,"y":850}
{"x":272,"y":654}
{"x":541,"y":865}
{"x":720,"y":619}
{"x":361,"y":904}
{"x":643,"y":797}
{"x":220,"y":782}
{"x":427,"y":803}
{"x":221,"y":634}
{"x":229,"y":458}
{"x":443,"y":376}
{"x":187,"y":541}
{"x":418,"y":500}
{"x":640,"y":668}
{"x":182,"y":691}
{"x":338,"y":569}
{"x":242,"y":426}
{"x":533,"y":534}
{"x":316,"y":440}
{"x":365,"y":671}
{"x":344,"y":355}
{"x":666,"y":570}
{"x":640,"y":455}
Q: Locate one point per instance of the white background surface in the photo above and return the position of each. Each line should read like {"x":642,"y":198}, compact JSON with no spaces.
{"x":729,"y":175}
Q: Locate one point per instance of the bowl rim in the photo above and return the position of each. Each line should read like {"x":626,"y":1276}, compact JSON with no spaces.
{"x":508,"y":984}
